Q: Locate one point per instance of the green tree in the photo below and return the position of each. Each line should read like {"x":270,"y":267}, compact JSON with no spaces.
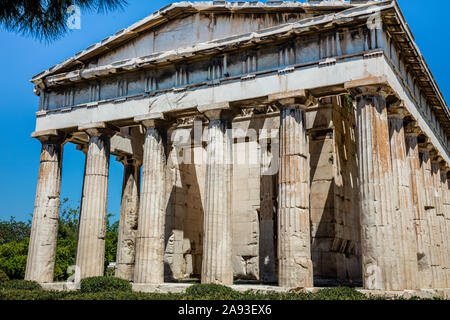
{"x":68,"y":220}
{"x":47,"y":19}
{"x":112,"y":234}
{"x":13,"y":253}
{"x":14,"y":231}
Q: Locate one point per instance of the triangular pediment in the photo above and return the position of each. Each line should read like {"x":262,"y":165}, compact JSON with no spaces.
{"x":185,"y":24}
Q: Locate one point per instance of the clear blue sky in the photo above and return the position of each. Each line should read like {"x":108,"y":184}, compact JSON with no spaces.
{"x":22,"y":57}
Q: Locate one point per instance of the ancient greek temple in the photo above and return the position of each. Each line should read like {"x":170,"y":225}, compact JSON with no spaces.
{"x":290,"y":143}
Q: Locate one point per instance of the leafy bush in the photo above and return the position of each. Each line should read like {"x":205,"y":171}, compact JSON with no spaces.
{"x":20,"y":285}
{"x":13,"y":259}
{"x":101,"y":284}
{"x":3,"y":276}
{"x":76,"y":295}
{"x":340,"y":293}
{"x":124,"y":295}
{"x":211,"y":291}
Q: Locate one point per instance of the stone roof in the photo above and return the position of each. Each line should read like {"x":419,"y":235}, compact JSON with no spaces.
{"x":182,"y":9}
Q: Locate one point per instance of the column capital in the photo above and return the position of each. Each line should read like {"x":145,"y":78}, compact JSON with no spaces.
{"x":369,"y":86}
{"x":216,"y":111}
{"x":369,"y":90}
{"x":95,"y":129}
{"x":50,"y":136}
{"x":295,"y":98}
{"x":152,"y":120}
{"x":425,"y":146}
{"x":397,"y":110}
{"x":444,"y":167}
{"x":412,"y":129}
{"x":435,"y":156}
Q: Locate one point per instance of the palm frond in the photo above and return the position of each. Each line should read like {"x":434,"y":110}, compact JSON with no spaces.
{"x":46,"y":19}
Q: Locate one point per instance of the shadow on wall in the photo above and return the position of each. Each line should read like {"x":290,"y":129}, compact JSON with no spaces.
{"x":184,"y":216}
{"x":333,"y":199}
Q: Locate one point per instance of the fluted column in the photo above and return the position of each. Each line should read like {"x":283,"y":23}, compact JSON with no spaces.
{"x":294,"y":240}
{"x":92,"y":226}
{"x":417,"y":191}
{"x":380,"y":254}
{"x":44,"y":229}
{"x":404,"y":214}
{"x":430,"y":211}
{"x":445,"y":194}
{"x":439,"y":227}
{"x":149,"y":266}
{"x":129,"y":209}
{"x":217,"y":243}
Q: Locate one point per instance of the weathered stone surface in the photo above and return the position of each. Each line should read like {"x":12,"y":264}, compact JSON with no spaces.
{"x":421,"y":224}
{"x":404,"y":209}
{"x":428,"y":213}
{"x":294,"y":239}
{"x":380,"y":254}
{"x":429,"y":170}
{"x":217,"y":242}
{"x":445,"y":193}
{"x":92,"y":228}
{"x":44,"y":229}
{"x":129,"y":209}
{"x":439,"y":228}
{"x":149,"y":265}
{"x":232,"y":62}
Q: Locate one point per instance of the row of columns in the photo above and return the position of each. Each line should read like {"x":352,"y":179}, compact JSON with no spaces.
{"x":403,"y":184}
{"x":144,"y":264}
{"x":398,"y":223}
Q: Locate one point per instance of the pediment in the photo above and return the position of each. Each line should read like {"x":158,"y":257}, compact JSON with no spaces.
{"x":186,"y":24}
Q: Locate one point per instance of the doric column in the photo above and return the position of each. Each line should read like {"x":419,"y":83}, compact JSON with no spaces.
{"x":44,"y":229}
{"x":417,"y":191}
{"x":430,"y":210}
{"x":217,"y":241}
{"x":149,"y":266}
{"x":92,"y":226}
{"x":439,"y":227}
{"x":294,"y":239}
{"x":129,"y":208}
{"x":445,"y":194}
{"x":404,"y":214}
{"x":380,"y":254}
